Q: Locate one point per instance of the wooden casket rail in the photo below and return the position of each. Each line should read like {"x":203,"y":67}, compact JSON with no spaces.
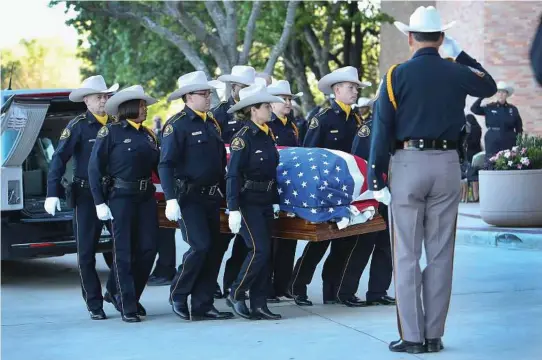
{"x":294,"y":228}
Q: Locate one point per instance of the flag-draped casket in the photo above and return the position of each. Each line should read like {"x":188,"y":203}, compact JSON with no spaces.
{"x":323,"y":195}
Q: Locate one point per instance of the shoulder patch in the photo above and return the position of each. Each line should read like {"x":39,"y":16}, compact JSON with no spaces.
{"x":314,"y":123}
{"x":168,"y":130}
{"x":65,"y":134}
{"x":364,"y":131}
{"x":104,"y":131}
{"x":477,"y":72}
{"x":237,"y":144}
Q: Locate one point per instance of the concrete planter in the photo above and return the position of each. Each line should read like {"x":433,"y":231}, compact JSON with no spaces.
{"x":511,"y":198}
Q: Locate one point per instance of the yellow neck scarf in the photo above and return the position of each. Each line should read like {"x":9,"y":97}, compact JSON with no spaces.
{"x":346,"y":108}
{"x":264,"y":128}
{"x":101,"y":119}
{"x":201,"y":115}
{"x":134,"y":124}
{"x":283,"y":120}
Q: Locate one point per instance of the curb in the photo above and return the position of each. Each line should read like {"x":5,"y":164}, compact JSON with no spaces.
{"x":507,"y":238}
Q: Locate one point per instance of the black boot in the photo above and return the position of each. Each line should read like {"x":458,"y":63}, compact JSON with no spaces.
{"x":180,"y":308}
{"x":97,"y":314}
{"x":263,"y":313}
{"x":433,"y":345}
{"x":406,"y":346}
{"x":239,"y":307}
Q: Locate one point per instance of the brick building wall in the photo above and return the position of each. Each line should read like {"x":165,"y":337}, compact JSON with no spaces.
{"x":496,"y":33}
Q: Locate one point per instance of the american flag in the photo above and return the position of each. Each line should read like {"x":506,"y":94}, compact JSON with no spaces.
{"x":321,"y":185}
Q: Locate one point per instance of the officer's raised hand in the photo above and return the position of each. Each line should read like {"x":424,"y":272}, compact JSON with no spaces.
{"x":173,"y":211}
{"x":103,"y":212}
{"x":450,"y":47}
{"x":51,"y":205}
{"x":234,"y":221}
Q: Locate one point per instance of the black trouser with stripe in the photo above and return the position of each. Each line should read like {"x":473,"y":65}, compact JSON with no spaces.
{"x":233,"y":265}
{"x":332,"y":272}
{"x":255,"y":272}
{"x":282,"y":265}
{"x":135,"y":229}
{"x":87,"y":229}
{"x":165,"y":264}
{"x":200,"y":227}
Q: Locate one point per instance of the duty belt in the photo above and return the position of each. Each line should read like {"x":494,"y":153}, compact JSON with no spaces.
{"x":426,"y":144}
{"x":81,"y":182}
{"x":258,"y":185}
{"x":194,"y":188}
{"x":140,"y":185}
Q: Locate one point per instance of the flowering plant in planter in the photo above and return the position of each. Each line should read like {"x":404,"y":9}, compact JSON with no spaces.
{"x":525,"y":156}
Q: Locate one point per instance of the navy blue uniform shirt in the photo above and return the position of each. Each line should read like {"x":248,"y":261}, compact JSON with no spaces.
{"x":253,"y":156}
{"x":124,"y":152}
{"x":331,"y":129}
{"x":430,"y":94}
{"x":192,"y":150}
{"x":76,"y":140}
{"x":536,"y":53}
{"x":228,"y":125}
{"x":285,"y":135}
{"x":362,"y":141}
{"x":504,"y":116}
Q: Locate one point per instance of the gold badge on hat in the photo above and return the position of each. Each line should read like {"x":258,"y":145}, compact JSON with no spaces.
{"x":314,"y":123}
{"x":104,"y":131}
{"x":168,"y":130}
{"x":364,"y":131}
{"x":237,"y":144}
{"x":65,"y":134}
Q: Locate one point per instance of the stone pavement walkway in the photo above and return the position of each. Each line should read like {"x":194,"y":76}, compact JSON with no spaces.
{"x":495,"y":314}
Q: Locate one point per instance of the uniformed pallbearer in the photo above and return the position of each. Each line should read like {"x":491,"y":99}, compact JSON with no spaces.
{"x":378,"y":246}
{"x":503,"y":121}
{"x":286,"y":134}
{"x":120,"y":169}
{"x":332,"y":128}
{"x":419,"y":116}
{"x":77,"y":141}
{"x":192,"y":168}
{"x":241,"y":76}
{"x":253,"y":197}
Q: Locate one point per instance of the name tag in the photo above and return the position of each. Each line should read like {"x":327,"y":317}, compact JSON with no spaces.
{"x":258,"y":151}
{"x":334,"y":131}
{"x":232,"y":122}
{"x":494,"y":111}
{"x":127,"y":141}
{"x":196,"y":133}
{"x":92,"y":140}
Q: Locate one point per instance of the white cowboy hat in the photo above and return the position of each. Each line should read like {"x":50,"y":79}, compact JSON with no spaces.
{"x":92,"y":85}
{"x":240,"y":74}
{"x":344,"y":74}
{"x":260,"y":81}
{"x":282,"y":87}
{"x":503,"y":85}
{"x":194,"y":81}
{"x":424,"y":19}
{"x":254,"y":94}
{"x":363,"y":101}
{"x":130,"y":93}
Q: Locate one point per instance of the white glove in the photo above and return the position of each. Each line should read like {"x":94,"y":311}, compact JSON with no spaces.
{"x":276,"y":209}
{"x":234,"y":221}
{"x":383,"y":196}
{"x":103,"y":212}
{"x":51,"y":205}
{"x":173,"y":211}
{"x":450,"y":48}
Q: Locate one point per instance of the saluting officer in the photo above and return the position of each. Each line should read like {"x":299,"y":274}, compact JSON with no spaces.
{"x":419,"y":117}
{"x":286,"y":134}
{"x":120,"y":168}
{"x":77,"y":141}
{"x":241,"y":76}
{"x":332,"y":128}
{"x":503,"y":121}
{"x":377,"y":245}
{"x":253,"y":197}
{"x":192,"y":168}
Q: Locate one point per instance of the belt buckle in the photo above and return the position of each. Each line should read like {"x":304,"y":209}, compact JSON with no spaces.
{"x":212,"y":190}
{"x":143,"y":185}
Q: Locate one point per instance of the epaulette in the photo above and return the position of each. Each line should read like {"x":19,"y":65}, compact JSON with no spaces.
{"x":176,"y":117}
{"x":215,"y":123}
{"x":151,"y":133}
{"x":322,"y":111}
{"x":242,"y":132}
{"x":389,"y":86}
{"x":77,"y":119}
{"x":219,"y":105}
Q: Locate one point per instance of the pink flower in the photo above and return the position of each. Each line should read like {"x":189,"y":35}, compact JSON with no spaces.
{"x":519,"y":166}
{"x":523,"y":151}
{"x":525,"y":161}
